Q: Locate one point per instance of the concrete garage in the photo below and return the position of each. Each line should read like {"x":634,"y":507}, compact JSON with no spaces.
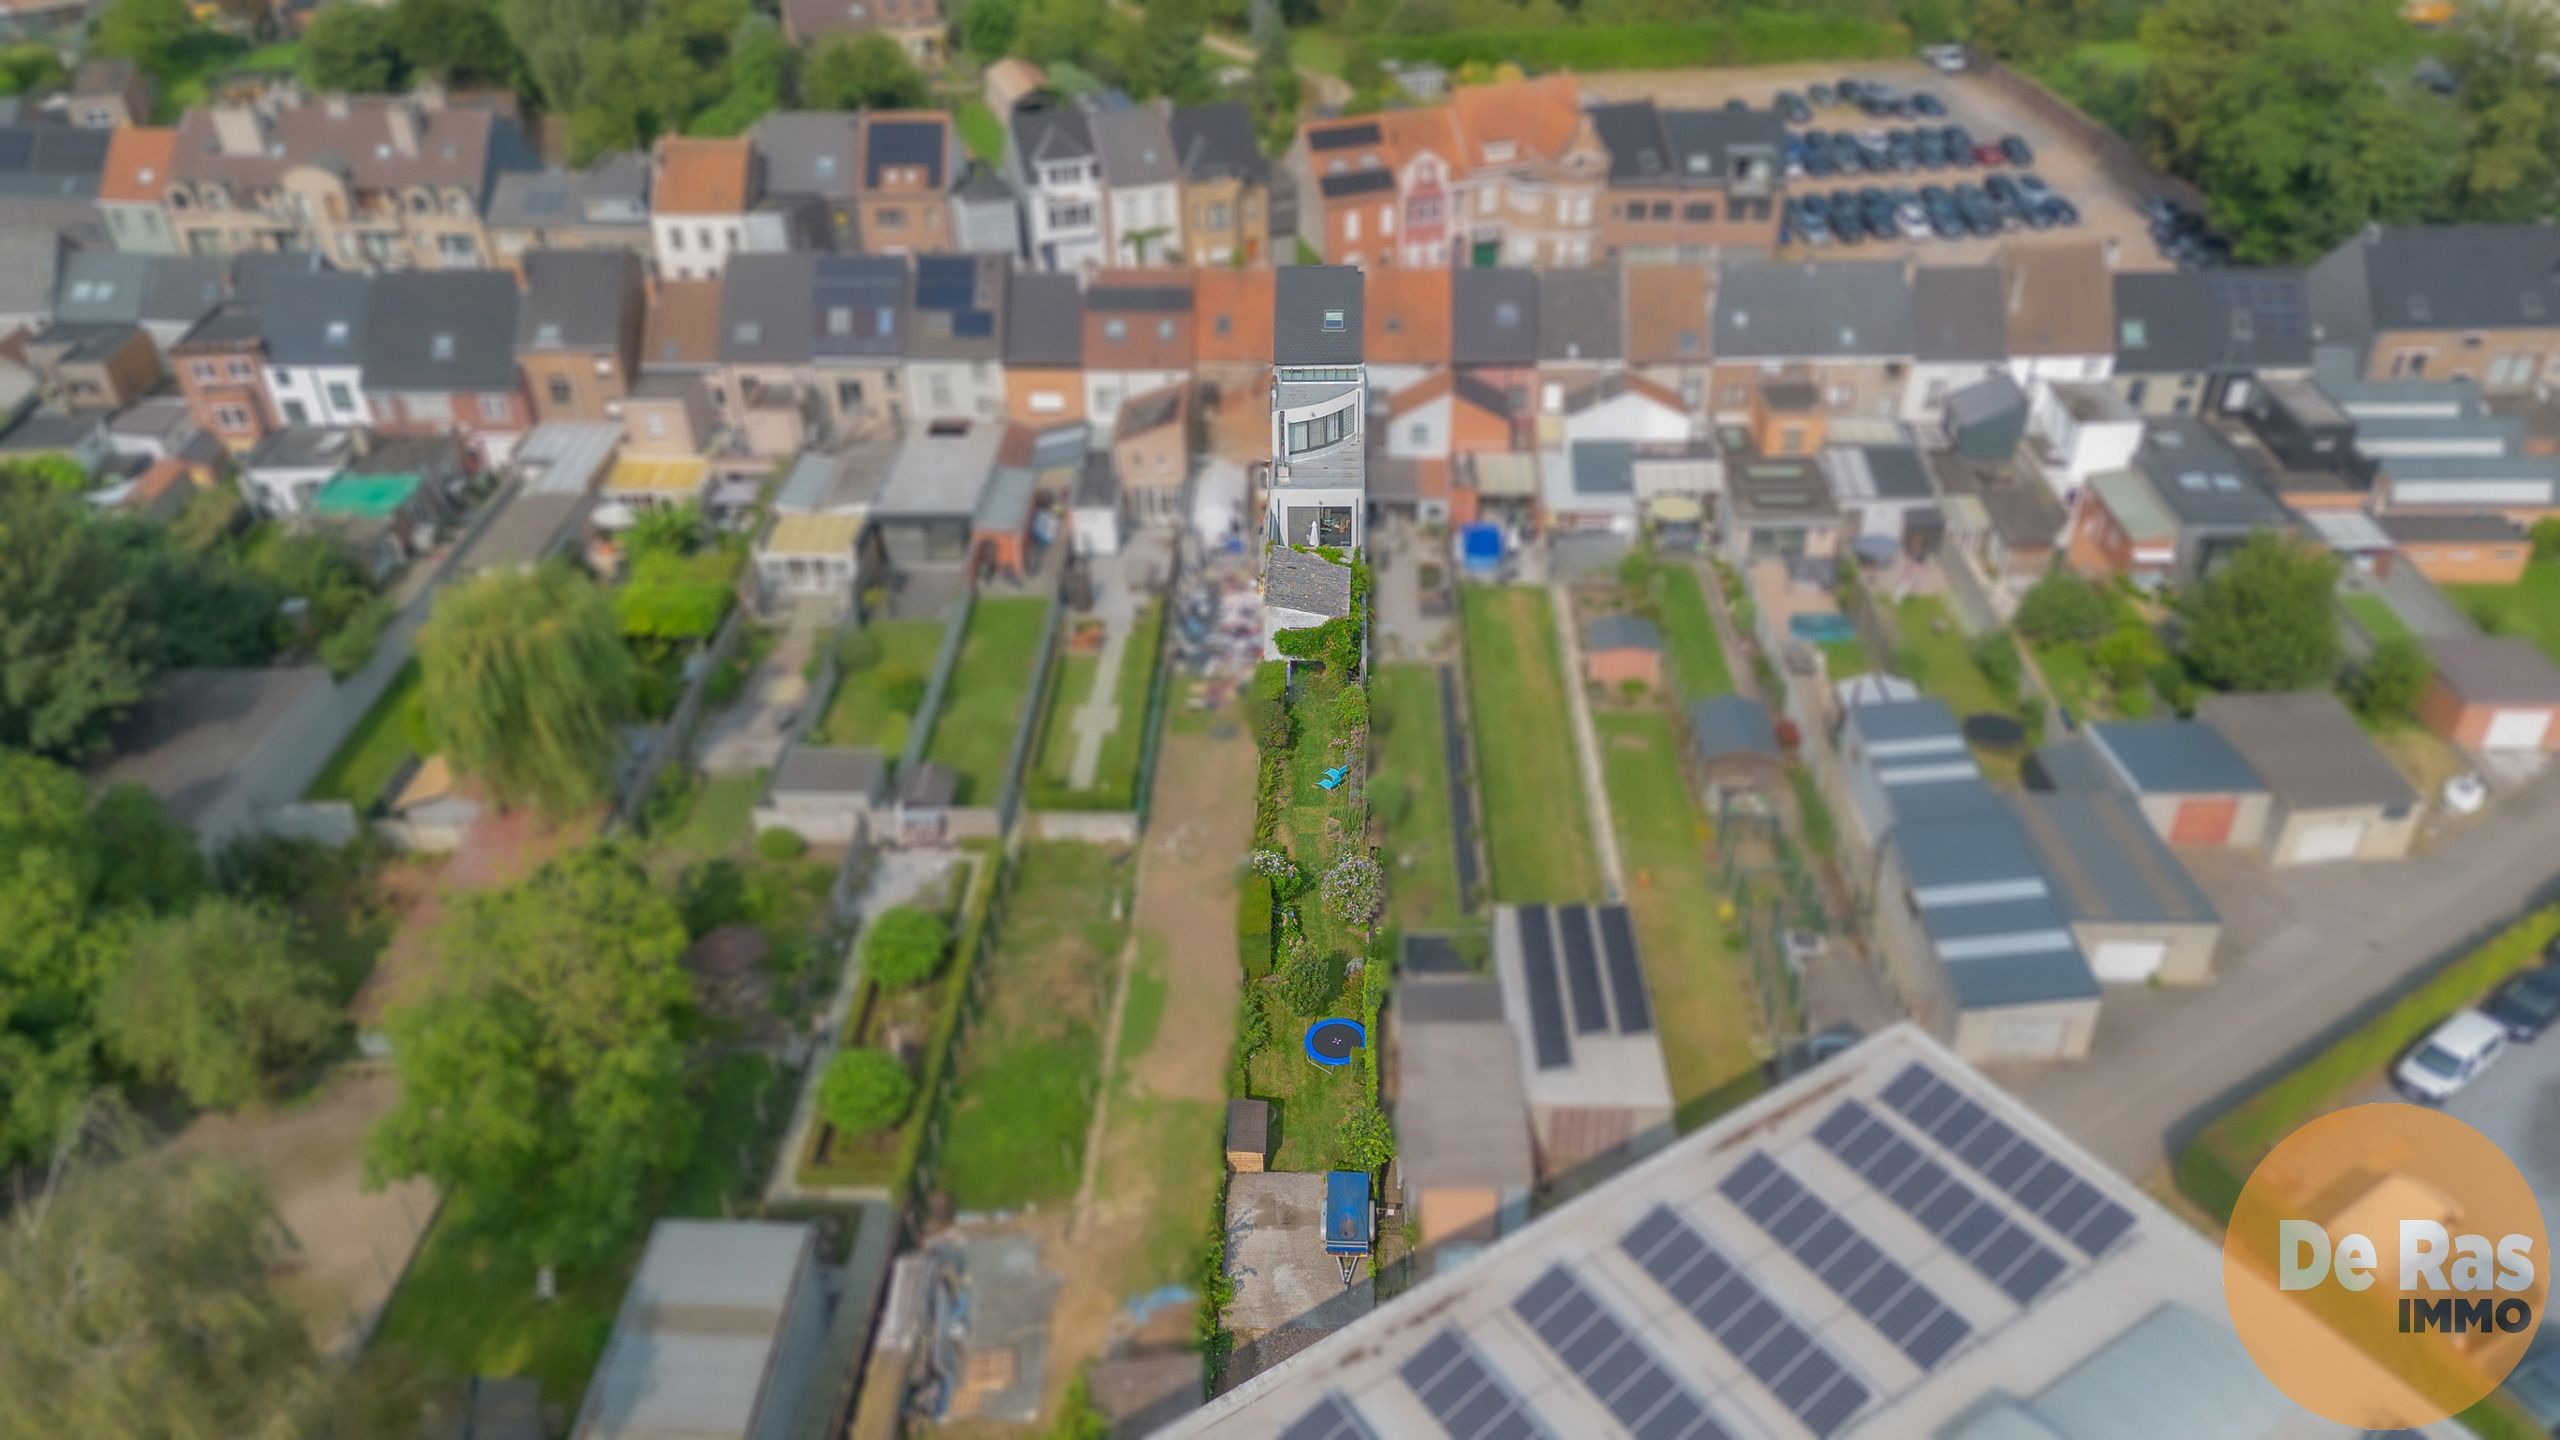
{"x":2192,"y":786}
{"x":2335,"y":795}
{"x":1581,"y":1019}
{"x":2138,"y":917}
{"x":1459,"y":1109}
{"x":2492,"y":693}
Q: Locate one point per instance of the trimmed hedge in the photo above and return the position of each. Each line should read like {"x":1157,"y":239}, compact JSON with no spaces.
{"x":1253,"y":926}
{"x":1754,"y":37}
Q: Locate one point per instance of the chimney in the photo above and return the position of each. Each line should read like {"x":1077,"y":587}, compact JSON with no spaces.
{"x":2113,"y":249}
{"x":238,"y":130}
{"x":402,"y":121}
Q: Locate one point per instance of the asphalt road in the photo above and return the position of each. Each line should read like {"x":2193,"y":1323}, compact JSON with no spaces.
{"x":2307,"y":953}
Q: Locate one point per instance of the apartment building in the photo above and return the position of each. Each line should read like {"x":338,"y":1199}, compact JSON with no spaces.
{"x":1687,"y":185}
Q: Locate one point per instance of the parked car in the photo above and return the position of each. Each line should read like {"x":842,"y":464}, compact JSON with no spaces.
{"x":1925,"y":104}
{"x":2527,"y":1004}
{"x":1945,"y":59}
{"x":2450,"y":1058}
{"x":2015,"y":150}
{"x":1823,"y":97}
{"x":1792,"y":109}
{"x":2064,"y":213}
{"x":1989,"y":152}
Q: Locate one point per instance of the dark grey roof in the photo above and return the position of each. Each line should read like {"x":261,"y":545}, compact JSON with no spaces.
{"x":2015,"y":950}
{"x":1780,"y":489}
{"x":1125,"y":298}
{"x":2311,"y":753}
{"x":2496,"y":670}
{"x":830,"y":770}
{"x":979,"y":181}
{"x":1956,"y":314}
{"x":1721,"y":725}
{"x":1581,"y":315}
{"x":920,"y":144}
{"x":51,"y":162}
{"x":300,"y":447}
{"x":1604,"y":467}
{"x":1051,"y":132}
{"x":2452,"y":277}
{"x":2202,"y":479}
{"x":1136,"y":146}
{"x":1044,"y":320}
{"x":2068,"y":765}
{"x":861,"y":305}
{"x":308,"y":313}
{"x":1990,"y":396}
{"x":798,"y":306}
{"x":2176,"y":757}
{"x":445,"y":330}
{"x":1486,"y":396}
{"x":931,"y":785}
{"x":44,"y":432}
{"x":1703,"y":142}
{"x":2483,"y":527}
{"x":30,"y":255}
{"x":1896,"y":472}
{"x":1142,"y":413}
{"x":1622,"y":632}
{"x":1098,"y":482}
{"x":83,"y":341}
{"x":2107,"y":863}
{"x":1493,"y":317}
{"x":2173,"y":321}
{"x":1307,"y":302}
{"x":99,"y":285}
{"x":1296,"y":580}
{"x":1462,"y":999}
{"x":1216,"y":142}
{"x":1846,"y":308}
{"x":574,"y":299}
{"x":1632,"y":134}
{"x":612,"y":191}
{"x":810,"y":152}
{"x":958,"y":307}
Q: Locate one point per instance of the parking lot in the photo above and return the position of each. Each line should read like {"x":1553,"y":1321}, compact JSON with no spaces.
{"x":2102,"y":190}
{"x":2517,"y":1105}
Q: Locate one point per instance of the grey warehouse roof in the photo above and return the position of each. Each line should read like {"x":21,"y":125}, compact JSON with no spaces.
{"x":2107,"y":862}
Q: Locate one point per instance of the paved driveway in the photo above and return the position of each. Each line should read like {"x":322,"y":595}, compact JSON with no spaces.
{"x":2306,"y":952}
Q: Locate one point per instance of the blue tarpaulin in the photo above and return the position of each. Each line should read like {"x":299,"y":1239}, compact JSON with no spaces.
{"x":1347,"y":1220}
{"x":1480,"y":546}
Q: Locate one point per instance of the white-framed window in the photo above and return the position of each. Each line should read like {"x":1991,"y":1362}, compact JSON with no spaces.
{"x":1351,"y":225}
{"x":230,"y":417}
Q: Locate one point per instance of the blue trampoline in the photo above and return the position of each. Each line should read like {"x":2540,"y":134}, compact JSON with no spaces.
{"x":1480,"y":546}
{"x":1331,"y":1043}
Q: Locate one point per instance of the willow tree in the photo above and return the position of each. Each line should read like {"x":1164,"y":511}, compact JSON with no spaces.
{"x":526,"y":684}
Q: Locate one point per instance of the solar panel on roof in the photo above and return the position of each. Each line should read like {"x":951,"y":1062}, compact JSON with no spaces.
{"x":1546,"y":996}
{"x":1616,"y":1367}
{"x":1332,"y":1418}
{"x":1626,"y":976}
{"x":1582,"y":970}
{"x":973,"y":325}
{"x":1344,"y":138}
{"x":1453,"y":1384}
{"x":1800,"y":1370}
{"x":1998,"y":1248}
{"x":1902,"y":1309}
{"x":2044,"y":1187}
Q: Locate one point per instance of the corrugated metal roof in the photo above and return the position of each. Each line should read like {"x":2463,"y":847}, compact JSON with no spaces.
{"x":2175,"y":757}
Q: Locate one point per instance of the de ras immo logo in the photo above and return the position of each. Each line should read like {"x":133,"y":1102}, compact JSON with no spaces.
{"x":2386,"y":1266}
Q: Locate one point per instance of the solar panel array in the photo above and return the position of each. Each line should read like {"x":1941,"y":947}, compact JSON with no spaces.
{"x":1998,"y":1248}
{"x":1582,"y":970}
{"x":1798,"y":1369}
{"x":2015,"y":1165}
{"x":1342,"y":137}
{"x":1610,"y":1362}
{"x":1546,"y":994}
{"x":1454,"y":1385}
{"x":1331,"y":1418}
{"x":1902,"y":1309}
{"x":1626,"y":977}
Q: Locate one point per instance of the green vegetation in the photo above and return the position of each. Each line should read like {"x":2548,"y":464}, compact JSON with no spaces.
{"x":2375,"y":615}
{"x":973,"y":731}
{"x":2530,"y":608}
{"x":717,"y":820}
{"x":383,"y":741}
{"x":1844,"y":658}
{"x":1025,"y":1083}
{"x":2097,"y":653}
{"x":1537,"y":837}
{"x":1742,"y":37}
{"x":981,"y":131}
{"x":875,"y":704}
{"x":2103,"y":78}
{"x":1409,"y":798}
{"x":1689,"y":632}
{"x":1936,"y":657}
{"x":527,"y":684}
{"x":1702,"y":992}
{"x":1115,"y":784}
{"x":2212,"y":1168}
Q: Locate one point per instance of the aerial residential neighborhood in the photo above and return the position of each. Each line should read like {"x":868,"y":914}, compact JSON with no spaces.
{"x":1464,"y":718}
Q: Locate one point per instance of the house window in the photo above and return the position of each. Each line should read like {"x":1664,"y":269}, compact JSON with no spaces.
{"x":675,"y":237}
{"x":1223,"y":326}
{"x":558,"y":385}
{"x":890,"y":217}
{"x":296,"y":413}
{"x":1351,"y":225}
{"x":1115,"y":329}
{"x":230,"y":417}
{"x":342,"y":398}
{"x":457,"y":250}
{"x":1334,"y":320}
{"x":204,"y":372}
{"x":238,"y":371}
{"x":1418,"y":433}
{"x":1164,"y":329}
{"x":498,"y":409}
{"x":2409,"y":364}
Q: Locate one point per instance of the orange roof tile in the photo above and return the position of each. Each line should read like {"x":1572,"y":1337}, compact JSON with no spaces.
{"x":703,"y":177}
{"x":138,"y":163}
{"x":1408,"y":316}
{"x":1411,"y":132}
{"x":1535,"y":118}
{"x":1667,"y":314}
{"x":1234,"y":307}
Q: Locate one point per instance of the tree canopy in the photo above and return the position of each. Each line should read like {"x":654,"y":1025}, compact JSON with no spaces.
{"x":527,"y":682}
{"x":546,"y":1074}
{"x":218,"y":1001}
{"x":2267,"y":620}
{"x":905,"y":946}
{"x":867,"y":71}
{"x":76,"y":650}
{"x":865,"y":1090}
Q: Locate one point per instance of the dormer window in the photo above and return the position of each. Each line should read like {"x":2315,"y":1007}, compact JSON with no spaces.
{"x":1335,"y":321}
{"x":547,"y":333}
{"x":1507,"y":315}
{"x":440,"y":346}
{"x":840,"y":320}
{"x":336,"y":334}
{"x":1501,"y":152}
{"x":748,"y":332}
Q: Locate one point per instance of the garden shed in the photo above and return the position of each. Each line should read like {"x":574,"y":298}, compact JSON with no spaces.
{"x":1248,"y":1136}
{"x":1622,"y":649}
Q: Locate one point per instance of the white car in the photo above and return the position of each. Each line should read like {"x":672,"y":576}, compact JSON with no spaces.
{"x":2451,"y":1056}
{"x":1947,"y":59}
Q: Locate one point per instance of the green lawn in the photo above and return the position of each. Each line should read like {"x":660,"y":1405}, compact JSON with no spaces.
{"x":1702,"y":994}
{"x":1537,"y":837}
{"x":974,"y":730}
{"x":1689,"y":631}
{"x":1845,"y":658}
{"x":1116,"y":781}
{"x":1317,"y":49}
{"x":864,"y":710}
{"x":469,"y":1308}
{"x":2074,"y":684}
{"x":1409,"y":796}
{"x":2375,"y":614}
{"x":1031,"y":1067}
{"x":378,"y":746}
{"x":2530,"y":608}
{"x":981,"y":131}
{"x":1935,"y":657}
{"x":718,"y":822}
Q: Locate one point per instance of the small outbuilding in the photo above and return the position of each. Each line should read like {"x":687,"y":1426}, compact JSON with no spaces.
{"x":2134,"y":909}
{"x":2492,"y":692}
{"x":2335,"y":795}
{"x":1733,"y":741}
{"x":2192,"y":786}
{"x":1093,"y":523}
{"x":1581,"y":1022}
{"x":1622,"y":649}
{"x":1248,"y":1136}
{"x":1461,"y":1116}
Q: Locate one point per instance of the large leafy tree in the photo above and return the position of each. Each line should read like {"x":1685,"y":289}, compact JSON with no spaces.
{"x":2503,"y":55}
{"x":2267,"y":620}
{"x":76,"y":650}
{"x":460,"y":42}
{"x":150,"y":33}
{"x":140,"y":1300}
{"x":2190,"y":48}
{"x":861,"y":72}
{"x":218,"y":1001}
{"x":526,"y":683}
{"x":353,"y":48}
{"x":545,"y":1077}
{"x":561,"y":40}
